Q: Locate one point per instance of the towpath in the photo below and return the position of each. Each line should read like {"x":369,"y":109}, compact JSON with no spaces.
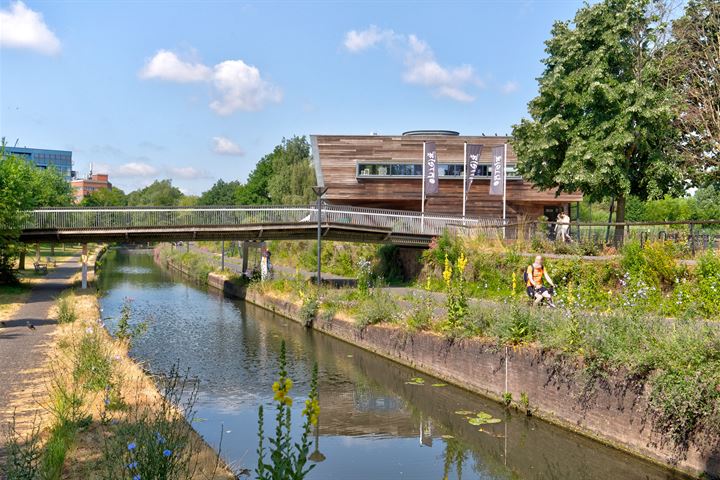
{"x":23,"y":350}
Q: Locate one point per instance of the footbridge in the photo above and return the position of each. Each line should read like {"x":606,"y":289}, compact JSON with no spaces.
{"x":143,"y":224}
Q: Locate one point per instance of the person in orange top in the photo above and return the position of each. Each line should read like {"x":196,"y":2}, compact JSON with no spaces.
{"x":534,"y":282}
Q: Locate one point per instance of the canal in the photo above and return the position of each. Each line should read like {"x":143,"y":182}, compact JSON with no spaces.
{"x":376,"y":422}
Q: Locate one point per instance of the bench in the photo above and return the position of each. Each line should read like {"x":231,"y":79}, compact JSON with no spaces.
{"x":40,"y":267}
{"x":52,"y":261}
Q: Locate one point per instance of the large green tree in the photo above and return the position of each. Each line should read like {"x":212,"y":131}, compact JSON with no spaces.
{"x":284,"y":176}
{"x":692,"y":68}
{"x":222,"y":193}
{"x":24,"y":187}
{"x":160,"y":193}
{"x":603,"y":120}
{"x":105,"y":197}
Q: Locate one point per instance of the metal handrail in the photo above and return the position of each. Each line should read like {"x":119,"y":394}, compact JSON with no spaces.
{"x":403,"y":222}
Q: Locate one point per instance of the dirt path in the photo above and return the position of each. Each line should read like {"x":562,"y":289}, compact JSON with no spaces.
{"x":23,"y":350}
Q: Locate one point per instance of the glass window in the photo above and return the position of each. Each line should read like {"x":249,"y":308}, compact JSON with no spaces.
{"x":389,"y":169}
{"x":450,"y":170}
{"x":482,"y":171}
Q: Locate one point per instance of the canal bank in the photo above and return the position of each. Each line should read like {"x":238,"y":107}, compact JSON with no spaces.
{"x":612,"y":410}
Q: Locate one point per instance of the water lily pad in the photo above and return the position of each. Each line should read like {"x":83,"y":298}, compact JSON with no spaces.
{"x":483,"y":418}
{"x":464,"y":412}
{"x":475,"y":421}
{"x":416,"y":381}
{"x":439,"y":384}
{"x":484,"y":415}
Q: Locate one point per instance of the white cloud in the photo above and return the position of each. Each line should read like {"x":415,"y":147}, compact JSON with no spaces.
{"x":187,"y":172}
{"x":421,"y":66}
{"x":225,"y":146}
{"x":509,"y":87}
{"x":236,"y":85}
{"x":166,"y":65}
{"x":25,"y":28}
{"x":134,"y":169}
{"x":357,"y":41}
{"x":241,"y":88}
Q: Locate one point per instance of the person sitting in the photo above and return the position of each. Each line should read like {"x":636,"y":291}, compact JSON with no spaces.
{"x":534,"y":282}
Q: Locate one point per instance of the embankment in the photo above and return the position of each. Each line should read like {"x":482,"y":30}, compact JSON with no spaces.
{"x":612,"y":409}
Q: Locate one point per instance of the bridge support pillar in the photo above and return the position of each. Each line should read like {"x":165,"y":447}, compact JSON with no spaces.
{"x":84,"y":259}
{"x":37,"y":253}
{"x":245,"y":251}
{"x":21,"y":259}
{"x":222,"y":256}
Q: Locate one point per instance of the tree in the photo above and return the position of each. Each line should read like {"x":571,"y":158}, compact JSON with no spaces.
{"x":222,"y":193}
{"x":23,"y":187}
{"x":693,"y":70}
{"x":602,"y":122}
{"x":255,"y":191}
{"x":105,"y":197}
{"x":293,"y":174}
{"x":160,"y":193}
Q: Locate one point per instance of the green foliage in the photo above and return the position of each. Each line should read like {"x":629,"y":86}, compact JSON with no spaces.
{"x":24,"y":453}
{"x":364,"y":277}
{"x":516,"y":327}
{"x":309,"y":309}
{"x":378,"y":307}
{"x":61,"y":438}
{"x":105,"y":197}
{"x":603,"y":121}
{"x":442,"y":247}
{"x":708,"y":274}
{"x":287,"y":461}
{"x":160,"y":193}
{"x":66,"y":308}
{"x":654,"y":263}
{"x":420,"y":314}
{"x":221,"y":193}
{"x":125,"y":331}
{"x":93,"y":365}
{"x":507,"y":398}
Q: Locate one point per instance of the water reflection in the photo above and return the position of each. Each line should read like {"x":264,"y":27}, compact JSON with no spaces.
{"x":374,"y":423}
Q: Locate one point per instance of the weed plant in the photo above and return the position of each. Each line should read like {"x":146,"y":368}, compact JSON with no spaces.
{"x":66,"y":307}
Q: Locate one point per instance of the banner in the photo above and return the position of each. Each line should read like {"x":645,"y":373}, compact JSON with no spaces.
{"x":497,"y":181}
{"x":431,"y":171}
{"x":471,"y":164}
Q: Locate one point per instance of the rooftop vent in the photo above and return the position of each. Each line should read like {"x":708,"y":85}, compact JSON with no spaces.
{"x":440,"y":133}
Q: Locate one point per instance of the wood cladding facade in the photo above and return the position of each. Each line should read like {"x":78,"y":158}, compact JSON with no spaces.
{"x":337,"y":156}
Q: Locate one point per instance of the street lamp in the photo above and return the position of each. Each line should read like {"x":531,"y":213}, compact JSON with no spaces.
{"x":319,"y":192}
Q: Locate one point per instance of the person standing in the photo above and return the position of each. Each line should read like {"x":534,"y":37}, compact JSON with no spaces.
{"x":534,"y":276}
{"x":562,"y":227}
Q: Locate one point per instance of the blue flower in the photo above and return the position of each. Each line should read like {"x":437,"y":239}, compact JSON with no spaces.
{"x":132,"y":465}
{"x":136,"y":477}
{"x":160,"y":439}
{"x":131,"y":446}
{"x":167,"y":453}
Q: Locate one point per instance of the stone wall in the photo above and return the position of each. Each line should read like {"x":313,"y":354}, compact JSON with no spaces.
{"x":612,"y":410}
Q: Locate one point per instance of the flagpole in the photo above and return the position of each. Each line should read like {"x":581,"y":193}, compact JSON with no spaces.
{"x":464,"y":179}
{"x":504,"y":187}
{"x":422,"y":205}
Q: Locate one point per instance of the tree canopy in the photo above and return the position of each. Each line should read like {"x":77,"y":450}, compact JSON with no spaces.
{"x":222,"y":193}
{"x":692,"y":68}
{"x":105,"y":197}
{"x":160,"y":193}
{"x":603,"y":120}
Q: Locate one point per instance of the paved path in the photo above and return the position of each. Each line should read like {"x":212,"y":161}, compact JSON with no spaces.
{"x":22,"y":350}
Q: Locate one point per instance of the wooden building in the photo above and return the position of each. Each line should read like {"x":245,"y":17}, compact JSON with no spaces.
{"x":386,"y":172}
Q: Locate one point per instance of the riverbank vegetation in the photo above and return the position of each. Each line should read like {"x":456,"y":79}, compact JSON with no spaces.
{"x":612,"y":319}
{"x":102,"y":417}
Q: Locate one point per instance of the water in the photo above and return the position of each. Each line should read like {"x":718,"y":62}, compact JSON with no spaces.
{"x":373,"y":425}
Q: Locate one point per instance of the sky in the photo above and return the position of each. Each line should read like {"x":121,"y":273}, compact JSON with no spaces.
{"x":198,"y":91}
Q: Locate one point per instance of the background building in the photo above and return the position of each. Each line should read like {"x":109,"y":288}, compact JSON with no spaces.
{"x":43,"y":158}
{"x":386,"y":172}
{"x":85,"y":186}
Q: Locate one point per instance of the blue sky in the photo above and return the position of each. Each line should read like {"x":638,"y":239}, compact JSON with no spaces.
{"x":196,"y":91}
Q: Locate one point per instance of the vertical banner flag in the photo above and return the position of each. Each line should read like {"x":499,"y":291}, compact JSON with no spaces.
{"x":472,"y":161}
{"x":497,"y":181}
{"x":431,"y":171}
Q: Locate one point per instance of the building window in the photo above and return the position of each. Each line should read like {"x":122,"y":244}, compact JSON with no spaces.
{"x":446,"y":170}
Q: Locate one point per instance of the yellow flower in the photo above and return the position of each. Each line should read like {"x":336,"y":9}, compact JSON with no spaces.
{"x":311,"y":410}
{"x":514,"y":283}
{"x":281,"y":389}
{"x":461,"y":263}
{"x":447,"y":272}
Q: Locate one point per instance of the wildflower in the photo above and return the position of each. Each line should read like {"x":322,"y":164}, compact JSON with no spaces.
{"x":160,"y":439}
{"x":167,"y":453}
{"x":89,"y":330}
{"x":311,"y":410}
{"x":447,"y":272}
{"x":131,"y":446}
{"x":136,"y":477}
{"x":132,"y":465}
{"x":281,"y":389}
{"x":107,"y":401}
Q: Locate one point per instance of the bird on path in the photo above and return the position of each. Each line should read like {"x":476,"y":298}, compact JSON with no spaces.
{"x":2,"y":324}
{"x":30,"y":325}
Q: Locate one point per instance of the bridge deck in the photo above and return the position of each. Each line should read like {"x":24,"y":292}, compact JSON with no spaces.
{"x":348,"y":224}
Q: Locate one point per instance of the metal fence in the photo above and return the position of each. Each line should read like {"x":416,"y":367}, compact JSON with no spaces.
{"x":412,"y":223}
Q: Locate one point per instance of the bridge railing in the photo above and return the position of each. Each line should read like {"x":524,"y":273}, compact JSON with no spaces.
{"x":156,"y":217}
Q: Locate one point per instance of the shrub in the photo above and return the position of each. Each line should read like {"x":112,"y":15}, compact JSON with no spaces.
{"x":516,"y":326}
{"x":442,"y":247}
{"x":378,"y":307}
{"x":420,"y":314}
{"x":125,"y":331}
{"x":309,"y":309}
{"x":708,"y":274}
